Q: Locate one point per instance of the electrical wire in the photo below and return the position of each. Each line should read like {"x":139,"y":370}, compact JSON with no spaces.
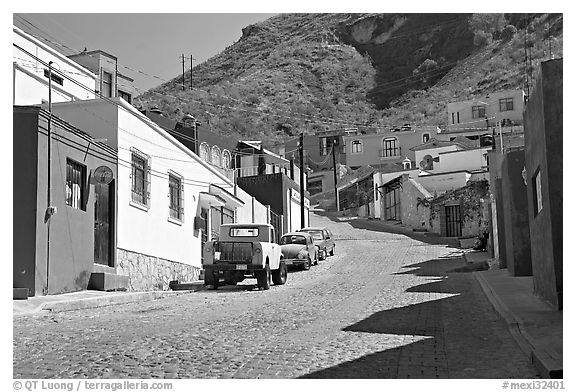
{"x":315,"y":118}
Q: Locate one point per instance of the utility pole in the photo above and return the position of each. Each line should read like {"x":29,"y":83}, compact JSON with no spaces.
{"x":49,"y":209}
{"x":301,"y":144}
{"x":191,"y":65}
{"x":183,"y":85}
{"x":334,"y":145}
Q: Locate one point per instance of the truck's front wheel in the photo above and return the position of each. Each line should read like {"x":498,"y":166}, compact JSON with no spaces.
{"x":263,"y":278}
{"x":211,"y":278}
{"x":280,"y":275}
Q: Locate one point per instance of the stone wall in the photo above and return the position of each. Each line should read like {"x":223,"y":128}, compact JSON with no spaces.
{"x":474,"y":201}
{"x":148,"y":273}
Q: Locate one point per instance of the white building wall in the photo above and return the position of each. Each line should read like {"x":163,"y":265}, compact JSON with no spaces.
{"x":150,"y":232}
{"x":29,"y":83}
{"x":443,"y":182}
{"x":141,"y":230}
{"x":434,"y":152}
{"x":462,"y":160}
{"x":252,"y":211}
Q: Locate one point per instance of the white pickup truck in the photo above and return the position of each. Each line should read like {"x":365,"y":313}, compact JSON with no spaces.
{"x":244,"y":250}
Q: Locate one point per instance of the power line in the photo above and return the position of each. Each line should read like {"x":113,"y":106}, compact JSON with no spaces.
{"x":325,"y":120}
{"x":313,"y":118}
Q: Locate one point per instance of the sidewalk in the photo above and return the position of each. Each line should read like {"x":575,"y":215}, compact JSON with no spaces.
{"x":89,"y":299}
{"x":536,"y":327}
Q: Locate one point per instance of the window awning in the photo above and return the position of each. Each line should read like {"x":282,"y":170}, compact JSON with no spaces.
{"x":207,"y":200}
{"x":230,"y":200}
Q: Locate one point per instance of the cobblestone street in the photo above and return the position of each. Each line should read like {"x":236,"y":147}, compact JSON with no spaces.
{"x":385,"y":306}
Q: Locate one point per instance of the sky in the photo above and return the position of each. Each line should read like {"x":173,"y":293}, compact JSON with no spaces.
{"x":151,"y":43}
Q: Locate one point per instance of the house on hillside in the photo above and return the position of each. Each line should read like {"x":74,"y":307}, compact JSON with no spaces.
{"x":165,"y":194}
{"x":319,"y":157}
{"x":64,"y":242}
{"x":389,"y":148}
{"x":484,"y":117}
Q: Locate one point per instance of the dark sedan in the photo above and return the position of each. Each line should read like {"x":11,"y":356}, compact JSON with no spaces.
{"x":323,"y":239}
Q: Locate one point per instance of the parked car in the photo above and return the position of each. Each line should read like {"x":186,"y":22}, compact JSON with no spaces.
{"x":244,"y":250}
{"x":298,"y":249}
{"x":324,"y":240}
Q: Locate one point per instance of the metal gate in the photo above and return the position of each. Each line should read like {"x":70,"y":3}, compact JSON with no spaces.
{"x":453,"y":221}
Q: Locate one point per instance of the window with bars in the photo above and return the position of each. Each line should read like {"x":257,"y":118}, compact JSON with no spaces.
{"x":478,"y":111}
{"x":140,"y":178}
{"x":506,"y":104}
{"x":75,"y":184}
{"x":390,"y":147}
{"x":176,"y":196}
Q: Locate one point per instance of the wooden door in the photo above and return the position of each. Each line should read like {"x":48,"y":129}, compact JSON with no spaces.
{"x":103,"y":208}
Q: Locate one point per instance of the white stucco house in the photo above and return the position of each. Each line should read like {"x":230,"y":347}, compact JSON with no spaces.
{"x":165,"y":194}
{"x":30,"y":58}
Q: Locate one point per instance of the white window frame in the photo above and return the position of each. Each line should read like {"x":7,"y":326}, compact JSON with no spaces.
{"x":359,"y":146}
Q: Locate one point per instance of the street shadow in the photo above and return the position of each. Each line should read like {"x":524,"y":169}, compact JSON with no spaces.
{"x":444,"y":337}
{"x":385,"y":365}
{"x":435,"y":267}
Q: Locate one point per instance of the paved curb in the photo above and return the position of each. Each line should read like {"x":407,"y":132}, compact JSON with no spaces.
{"x":545,"y":362}
{"x":107,"y":300}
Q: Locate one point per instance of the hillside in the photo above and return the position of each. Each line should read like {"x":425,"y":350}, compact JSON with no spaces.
{"x":304,"y":72}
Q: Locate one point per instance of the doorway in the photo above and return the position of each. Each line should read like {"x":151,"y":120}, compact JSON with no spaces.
{"x":103,"y":223}
{"x":453,"y":221}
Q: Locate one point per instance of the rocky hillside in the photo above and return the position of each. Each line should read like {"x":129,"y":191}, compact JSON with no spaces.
{"x":304,"y":72}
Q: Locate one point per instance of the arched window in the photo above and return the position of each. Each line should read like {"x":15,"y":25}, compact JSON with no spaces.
{"x":425,"y":137}
{"x":390,"y":147}
{"x":205,"y":152}
{"x":216,"y":158}
{"x":226,"y":159}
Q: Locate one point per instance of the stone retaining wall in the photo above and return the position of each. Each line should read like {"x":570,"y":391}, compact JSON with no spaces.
{"x":148,"y":273}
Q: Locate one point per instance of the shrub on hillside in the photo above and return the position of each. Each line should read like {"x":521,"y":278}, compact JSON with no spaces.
{"x":508,"y":33}
{"x":485,"y":27}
